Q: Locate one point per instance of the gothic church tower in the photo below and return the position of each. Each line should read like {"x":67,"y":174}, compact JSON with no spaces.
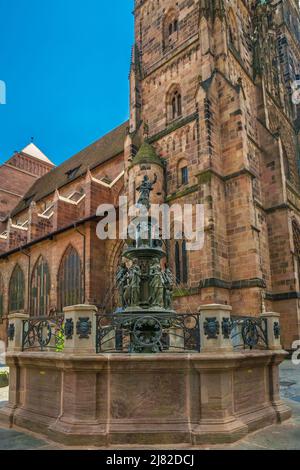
{"x":211,"y":115}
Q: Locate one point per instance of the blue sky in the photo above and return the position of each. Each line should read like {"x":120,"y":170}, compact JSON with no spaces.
{"x":65,"y":64}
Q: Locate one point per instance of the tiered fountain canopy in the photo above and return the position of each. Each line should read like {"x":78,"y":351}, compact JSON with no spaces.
{"x":145,"y":287}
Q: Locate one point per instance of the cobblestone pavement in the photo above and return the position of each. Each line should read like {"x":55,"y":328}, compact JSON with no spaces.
{"x":277,"y":437}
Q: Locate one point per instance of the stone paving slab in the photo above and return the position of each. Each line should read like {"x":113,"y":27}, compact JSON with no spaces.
{"x":277,"y":437}
{"x":14,"y":440}
{"x":290,"y":381}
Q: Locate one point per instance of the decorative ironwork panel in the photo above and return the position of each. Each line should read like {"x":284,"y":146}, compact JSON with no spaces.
{"x":69,"y":329}
{"x":16,"y":290}
{"x":70,"y":289}
{"x":130,"y":333}
{"x":43,"y":334}
{"x":226,"y":328}
{"x":84,"y":328}
{"x":277,"y":330}
{"x":11,"y":332}
{"x":40,"y":289}
{"x":249,"y":333}
{"x":211,"y":328}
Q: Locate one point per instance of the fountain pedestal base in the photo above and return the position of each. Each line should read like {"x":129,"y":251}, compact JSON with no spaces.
{"x":161,"y":399}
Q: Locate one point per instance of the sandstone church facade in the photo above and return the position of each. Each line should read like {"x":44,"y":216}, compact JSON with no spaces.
{"x":213,"y":114}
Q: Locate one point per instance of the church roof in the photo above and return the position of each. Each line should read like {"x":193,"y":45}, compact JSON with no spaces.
{"x":107,"y":147}
{"x":33,"y":151}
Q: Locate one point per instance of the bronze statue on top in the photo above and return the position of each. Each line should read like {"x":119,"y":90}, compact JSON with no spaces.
{"x":145,"y":189}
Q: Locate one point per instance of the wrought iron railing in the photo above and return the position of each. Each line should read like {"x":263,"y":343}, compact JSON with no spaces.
{"x":249,"y":333}
{"x":43,"y":334}
{"x":119,"y":333}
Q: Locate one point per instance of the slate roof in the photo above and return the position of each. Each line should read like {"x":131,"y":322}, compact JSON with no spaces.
{"x":107,"y":147}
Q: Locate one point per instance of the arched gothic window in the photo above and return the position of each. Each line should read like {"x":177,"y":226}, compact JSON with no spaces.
{"x":40,"y":289}
{"x":174,"y":104}
{"x":1,"y":298}
{"x":181,"y":263}
{"x":170,"y":28}
{"x":16,"y":290}
{"x":70,"y":285}
{"x":173,"y":26}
